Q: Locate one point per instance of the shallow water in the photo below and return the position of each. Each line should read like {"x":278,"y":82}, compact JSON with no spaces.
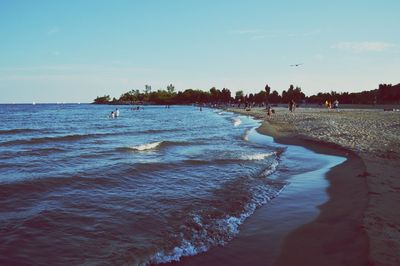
{"x":150,"y":186}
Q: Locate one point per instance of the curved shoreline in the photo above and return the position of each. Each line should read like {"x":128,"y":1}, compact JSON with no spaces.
{"x":336,"y":236}
{"x":266,"y":237}
{"x":370,"y":134}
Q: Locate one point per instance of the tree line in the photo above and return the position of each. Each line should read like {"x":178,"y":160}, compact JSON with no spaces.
{"x":385,"y":94}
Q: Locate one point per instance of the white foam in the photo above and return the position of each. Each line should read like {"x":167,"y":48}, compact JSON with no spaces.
{"x":237,"y":122}
{"x":226,"y":227}
{"x":246,"y":135}
{"x":186,"y":249}
{"x":147,"y":146}
{"x":257,"y":156}
{"x":271,"y":169}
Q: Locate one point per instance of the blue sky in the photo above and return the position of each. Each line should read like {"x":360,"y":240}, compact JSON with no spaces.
{"x":73,"y":51}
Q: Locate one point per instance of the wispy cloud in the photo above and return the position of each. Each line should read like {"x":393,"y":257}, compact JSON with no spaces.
{"x":53,"y":30}
{"x":360,"y":47}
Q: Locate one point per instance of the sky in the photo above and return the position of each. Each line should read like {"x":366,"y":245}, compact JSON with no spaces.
{"x":73,"y":51}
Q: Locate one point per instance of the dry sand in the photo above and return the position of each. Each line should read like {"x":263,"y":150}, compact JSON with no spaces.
{"x":360,"y":224}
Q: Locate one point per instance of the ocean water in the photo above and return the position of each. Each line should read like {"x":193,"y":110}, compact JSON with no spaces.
{"x":151,"y":186}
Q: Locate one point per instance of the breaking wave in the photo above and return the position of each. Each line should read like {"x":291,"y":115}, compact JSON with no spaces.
{"x":236,"y":121}
{"x":147,"y":146}
{"x":153,"y":146}
{"x":245,"y":136}
{"x":257,"y":156}
{"x":271,"y":168}
{"x":202,"y":230}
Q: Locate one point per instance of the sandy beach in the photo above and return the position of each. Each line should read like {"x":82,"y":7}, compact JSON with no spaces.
{"x":360,"y":223}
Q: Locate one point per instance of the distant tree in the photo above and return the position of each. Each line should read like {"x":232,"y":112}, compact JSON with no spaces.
{"x":251,"y":98}
{"x":259,"y":97}
{"x":387,"y":93}
{"x":226,"y":95}
{"x":320,"y":98}
{"x":170,"y":89}
{"x":192,"y":96}
{"x":102,"y":100}
{"x":214,"y":95}
{"x":275,"y":97}
{"x":298,"y":96}
{"x":267,"y":91}
{"x":239,"y":96}
{"x":147,"y":89}
{"x":284,"y":97}
{"x":293,"y":94}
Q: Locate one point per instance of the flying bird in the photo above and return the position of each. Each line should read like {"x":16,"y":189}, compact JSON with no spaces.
{"x":296,"y":65}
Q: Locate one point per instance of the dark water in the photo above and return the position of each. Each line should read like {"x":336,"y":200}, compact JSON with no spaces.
{"x":151,"y":186}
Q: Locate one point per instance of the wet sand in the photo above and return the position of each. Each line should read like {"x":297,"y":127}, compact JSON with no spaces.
{"x":359,"y":224}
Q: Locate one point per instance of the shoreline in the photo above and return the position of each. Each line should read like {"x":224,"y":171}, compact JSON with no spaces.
{"x":262,"y":234}
{"x":362,"y":201}
{"x":328,"y":240}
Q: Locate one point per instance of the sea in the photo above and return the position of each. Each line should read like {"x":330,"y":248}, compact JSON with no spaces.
{"x":152,"y":186}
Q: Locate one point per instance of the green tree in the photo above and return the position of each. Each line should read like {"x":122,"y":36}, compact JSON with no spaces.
{"x":170,"y":88}
{"x":226,"y":95}
{"x":147,"y":89}
{"x":239,"y":96}
{"x":102,"y":100}
{"x":275,"y":97}
{"x":267,"y":91}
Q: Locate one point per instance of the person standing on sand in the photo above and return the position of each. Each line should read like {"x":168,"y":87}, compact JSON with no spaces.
{"x":292,"y":105}
{"x":336,"y":104}
{"x":269,"y":110}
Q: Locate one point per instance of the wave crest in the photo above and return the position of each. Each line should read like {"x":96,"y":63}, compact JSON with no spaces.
{"x":236,"y":121}
{"x":257,"y":156}
{"x":153,"y":146}
{"x":202,"y":231}
{"x":146,"y":146}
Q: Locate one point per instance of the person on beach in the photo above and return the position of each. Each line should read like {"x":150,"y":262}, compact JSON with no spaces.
{"x":116,"y":112}
{"x":336,"y":104}
{"x":292,"y":105}
{"x":112,"y":115}
{"x":328,"y":104}
{"x":269,"y":110}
